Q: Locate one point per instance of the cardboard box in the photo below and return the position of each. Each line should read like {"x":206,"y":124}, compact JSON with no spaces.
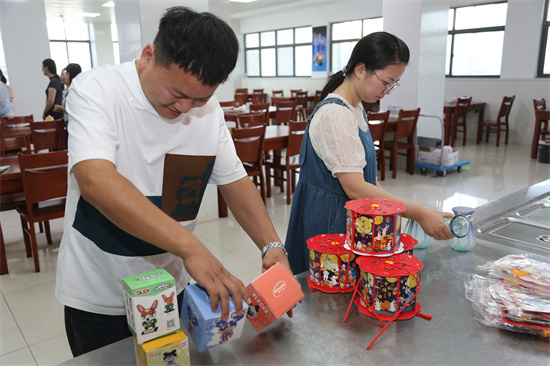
{"x":272,"y":294}
{"x":151,"y":304}
{"x":172,"y":349}
{"x":433,"y":156}
{"x":206,"y":328}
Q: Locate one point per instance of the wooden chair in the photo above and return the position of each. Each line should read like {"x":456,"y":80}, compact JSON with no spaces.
{"x":258,"y":96}
{"x":44,"y":179}
{"x":317,"y":97}
{"x":240,"y":98}
{"x":405,"y":129}
{"x":246,"y":120}
{"x":306,"y":112}
{"x":277,"y":93}
{"x":16,"y":122}
{"x":540,"y":105}
{"x":230,"y":103}
{"x":49,"y":135}
{"x":249,"y":144}
{"x":371,"y":107}
{"x":262,"y":108}
{"x":290,"y":163}
{"x":499,"y":125}
{"x":294,"y":92}
{"x":301,"y":102}
{"x":542,"y":116}
{"x":15,"y":144}
{"x":241,"y":90}
{"x":460,"y":114}
{"x":286,"y":111}
{"x":377,"y":126}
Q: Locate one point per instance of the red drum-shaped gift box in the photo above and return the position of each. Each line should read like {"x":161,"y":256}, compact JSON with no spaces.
{"x":373,"y":226}
{"x":389,"y":286}
{"x":331,"y":269}
{"x":408,"y":243}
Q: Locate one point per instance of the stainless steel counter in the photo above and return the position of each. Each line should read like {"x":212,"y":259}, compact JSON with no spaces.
{"x":317,"y":334}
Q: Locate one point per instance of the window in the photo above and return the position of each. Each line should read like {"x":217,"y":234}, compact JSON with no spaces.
{"x":345,"y":35}
{"x":544,"y":58}
{"x":278,"y":53}
{"x":475,"y":40}
{"x":70,"y":43}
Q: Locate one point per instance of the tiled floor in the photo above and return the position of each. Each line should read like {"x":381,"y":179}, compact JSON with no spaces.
{"x":31,"y":321}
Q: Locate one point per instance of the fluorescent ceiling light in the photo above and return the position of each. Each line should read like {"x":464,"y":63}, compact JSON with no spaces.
{"x":242,"y":1}
{"x":90,"y":15}
{"x":110,"y":4}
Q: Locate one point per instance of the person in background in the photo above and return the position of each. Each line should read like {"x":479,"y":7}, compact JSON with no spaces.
{"x":67,"y":76}
{"x":54,"y":91}
{"x":338,"y":160}
{"x":6,"y":107}
{"x":10,"y":88}
{"x":145,"y":138}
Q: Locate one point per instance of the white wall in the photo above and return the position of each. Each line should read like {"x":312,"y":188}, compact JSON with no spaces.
{"x":520,"y":55}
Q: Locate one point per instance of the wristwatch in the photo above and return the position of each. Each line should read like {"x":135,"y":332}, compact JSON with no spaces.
{"x":274,"y":244}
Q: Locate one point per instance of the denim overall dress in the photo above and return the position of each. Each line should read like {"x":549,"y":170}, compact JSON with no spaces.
{"x":319,"y":199}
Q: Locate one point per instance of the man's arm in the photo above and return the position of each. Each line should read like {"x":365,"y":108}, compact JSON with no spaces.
{"x":124,"y":205}
{"x":49,"y":101}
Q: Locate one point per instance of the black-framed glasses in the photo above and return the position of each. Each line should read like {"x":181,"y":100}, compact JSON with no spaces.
{"x":389,"y":87}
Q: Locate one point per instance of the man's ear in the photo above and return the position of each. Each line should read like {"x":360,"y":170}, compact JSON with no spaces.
{"x":147,"y":56}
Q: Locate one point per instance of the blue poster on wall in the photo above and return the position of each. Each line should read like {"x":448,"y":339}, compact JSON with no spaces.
{"x":319,"y":49}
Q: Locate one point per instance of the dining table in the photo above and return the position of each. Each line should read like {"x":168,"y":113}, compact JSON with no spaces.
{"x":276,"y":138}
{"x":10,"y":182}
{"x":448,"y":110}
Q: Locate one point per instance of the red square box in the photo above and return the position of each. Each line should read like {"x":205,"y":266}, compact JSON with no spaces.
{"x":272,"y":294}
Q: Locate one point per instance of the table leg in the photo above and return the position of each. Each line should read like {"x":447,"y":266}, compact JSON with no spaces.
{"x":535,"y":142}
{"x":447,"y":126}
{"x":3,"y":259}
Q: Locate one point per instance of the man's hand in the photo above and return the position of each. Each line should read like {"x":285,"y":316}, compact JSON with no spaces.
{"x":276,"y":255}
{"x":218,"y":282}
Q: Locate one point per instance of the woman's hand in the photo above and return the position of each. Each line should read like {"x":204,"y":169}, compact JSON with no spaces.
{"x":433,"y":224}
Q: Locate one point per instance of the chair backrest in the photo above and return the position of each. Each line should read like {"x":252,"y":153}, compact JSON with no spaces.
{"x":505,"y":109}
{"x":406,"y":123}
{"x":461,"y":109}
{"x":241,"y":90}
{"x":261,"y":107}
{"x":306,"y":112}
{"x":21,"y":143}
{"x":245,"y":120}
{"x":371,"y":107}
{"x":16,"y":122}
{"x":240,"y":98}
{"x":44,"y":176}
{"x":286,"y":111}
{"x":294,"y":92}
{"x":249,"y":144}
{"x":49,"y":135}
{"x":301,"y":98}
{"x":277,"y":93}
{"x":377,"y":125}
{"x":539,"y":104}
{"x":230,"y":103}
{"x":317,"y":97}
{"x":295,"y":136}
{"x":257,"y":96}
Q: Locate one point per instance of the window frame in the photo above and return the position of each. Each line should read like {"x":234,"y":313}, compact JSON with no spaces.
{"x":454,"y":32}
{"x":67,"y":41}
{"x":347,"y":40}
{"x":276,"y":47}
{"x":543,"y":41}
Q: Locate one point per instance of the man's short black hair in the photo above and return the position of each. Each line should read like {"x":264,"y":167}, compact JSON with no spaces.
{"x":199,"y":43}
{"x":50,"y":64}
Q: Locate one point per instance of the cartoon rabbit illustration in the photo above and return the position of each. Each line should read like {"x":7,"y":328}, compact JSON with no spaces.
{"x":149,"y":318}
{"x":168,"y":302}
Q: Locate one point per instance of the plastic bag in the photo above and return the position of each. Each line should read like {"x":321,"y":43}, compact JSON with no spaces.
{"x":514,"y":295}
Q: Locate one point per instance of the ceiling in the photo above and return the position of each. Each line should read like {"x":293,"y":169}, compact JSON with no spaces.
{"x":72,"y":9}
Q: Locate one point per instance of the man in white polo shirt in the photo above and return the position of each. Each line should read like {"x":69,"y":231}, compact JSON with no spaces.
{"x":145,"y":139}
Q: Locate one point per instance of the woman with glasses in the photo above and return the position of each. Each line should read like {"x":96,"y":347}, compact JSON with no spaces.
{"x":67,"y":76}
{"x":338,"y":159}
